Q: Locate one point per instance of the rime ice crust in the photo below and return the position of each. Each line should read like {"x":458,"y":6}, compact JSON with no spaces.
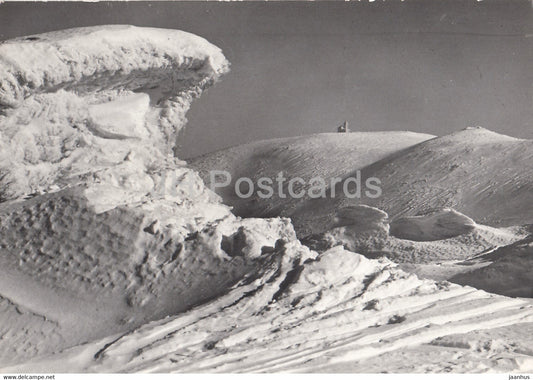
{"x":106,"y":57}
{"x":66,"y":100}
{"x":98,"y":218}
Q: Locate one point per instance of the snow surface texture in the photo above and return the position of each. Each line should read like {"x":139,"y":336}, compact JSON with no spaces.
{"x":336,"y":312}
{"x":484,"y":175}
{"x":481,"y":174}
{"x":324,"y":155}
{"x":115,"y":257}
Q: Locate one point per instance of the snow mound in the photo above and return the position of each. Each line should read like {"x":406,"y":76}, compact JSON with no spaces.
{"x":350,"y":224}
{"x":91,"y":97}
{"x":362,"y":218}
{"x":438,"y":225}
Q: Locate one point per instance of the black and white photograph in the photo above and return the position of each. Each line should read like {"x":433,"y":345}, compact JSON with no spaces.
{"x":296,"y":187}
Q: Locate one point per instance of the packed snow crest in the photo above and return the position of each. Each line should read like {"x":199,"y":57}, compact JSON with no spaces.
{"x":115,"y":257}
{"x":95,"y":97}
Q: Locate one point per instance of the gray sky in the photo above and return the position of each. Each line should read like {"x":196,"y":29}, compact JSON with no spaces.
{"x":300,"y":67}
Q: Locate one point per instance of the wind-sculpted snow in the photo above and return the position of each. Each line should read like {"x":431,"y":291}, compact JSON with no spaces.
{"x":335,"y":311}
{"x":508,"y":271}
{"x":89,"y":97}
{"x":107,"y":230}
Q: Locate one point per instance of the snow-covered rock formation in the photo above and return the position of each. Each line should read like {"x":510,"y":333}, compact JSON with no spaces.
{"x":96,"y":97}
{"x":102,"y":229}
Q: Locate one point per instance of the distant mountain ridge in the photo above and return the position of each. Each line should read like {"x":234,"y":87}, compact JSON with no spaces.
{"x":482,"y":174}
{"x":324,"y":155}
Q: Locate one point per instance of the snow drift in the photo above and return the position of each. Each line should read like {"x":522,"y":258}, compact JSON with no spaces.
{"x":438,"y":225}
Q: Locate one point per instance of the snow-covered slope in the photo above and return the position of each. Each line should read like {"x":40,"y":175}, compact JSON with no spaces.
{"x":508,"y":271}
{"x":336,"y":312}
{"x":324,"y":155}
{"x":479,"y":173}
{"x":482,"y":174}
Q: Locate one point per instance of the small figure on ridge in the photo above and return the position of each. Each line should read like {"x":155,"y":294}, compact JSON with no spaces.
{"x":343,"y":128}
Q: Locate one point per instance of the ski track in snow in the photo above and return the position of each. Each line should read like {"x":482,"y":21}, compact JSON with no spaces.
{"x":341,"y":309}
